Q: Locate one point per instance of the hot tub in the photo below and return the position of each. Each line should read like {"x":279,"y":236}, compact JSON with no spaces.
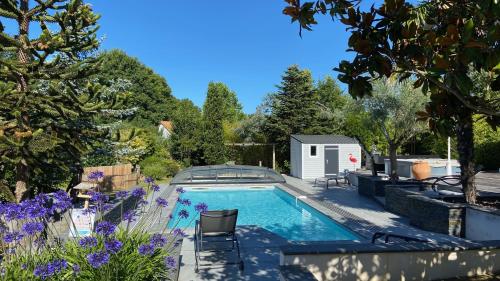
{"x":438,"y":167}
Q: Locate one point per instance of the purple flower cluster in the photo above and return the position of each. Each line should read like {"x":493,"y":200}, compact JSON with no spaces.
{"x":98,"y":259}
{"x":113,"y":246}
{"x":45,"y":271}
{"x":95,"y":175}
{"x":98,"y":197}
{"x":12,"y":237}
{"x":185,"y":202}
{"x":180,"y":190}
{"x":105,"y":228}
{"x":146,"y":250}
{"x":179,"y":232}
{"x":170,"y":262}
{"x":138,"y":192}
{"x":88,"y":242}
{"x":149,"y":180}
{"x":31,"y":228}
{"x":162,"y":202}
{"x":183,"y":214}
{"x":158,"y":240}
{"x":129,"y":216}
{"x":122,"y":194}
{"x":201,"y":208}
{"x":155,"y":187}
{"x":62,"y":202}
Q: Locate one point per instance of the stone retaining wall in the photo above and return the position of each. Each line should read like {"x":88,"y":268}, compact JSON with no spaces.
{"x":436,"y":215}
{"x":396,"y":198}
{"x":375,"y":186}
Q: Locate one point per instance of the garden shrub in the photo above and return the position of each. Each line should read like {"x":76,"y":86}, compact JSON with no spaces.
{"x":487,"y":155}
{"x":159,"y":167}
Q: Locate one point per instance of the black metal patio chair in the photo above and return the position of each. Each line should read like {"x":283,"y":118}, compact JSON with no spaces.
{"x":217,"y":227}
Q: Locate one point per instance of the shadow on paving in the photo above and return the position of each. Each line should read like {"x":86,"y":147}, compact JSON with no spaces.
{"x":259,"y":251}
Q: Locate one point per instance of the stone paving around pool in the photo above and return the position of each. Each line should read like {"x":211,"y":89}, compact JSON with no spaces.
{"x":260,"y":248}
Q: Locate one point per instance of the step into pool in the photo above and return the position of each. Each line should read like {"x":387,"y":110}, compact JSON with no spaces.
{"x":270,"y":208}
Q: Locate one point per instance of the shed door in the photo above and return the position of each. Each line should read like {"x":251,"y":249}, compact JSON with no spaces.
{"x":331,"y":160}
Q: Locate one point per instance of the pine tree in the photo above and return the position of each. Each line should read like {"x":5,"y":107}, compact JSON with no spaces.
{"x":214,"y":114}
{"x":293,"y":110}
{"x":46,"y":102}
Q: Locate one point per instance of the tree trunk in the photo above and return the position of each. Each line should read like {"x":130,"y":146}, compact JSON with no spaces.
{"x":22,"y":169}
{"x":394,"y":162}
{"x":465,"y":147}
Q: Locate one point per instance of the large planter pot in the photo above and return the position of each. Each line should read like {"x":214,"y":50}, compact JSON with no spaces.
{"x":353,"y":178}
{"x":421,"y":170}
{"x":436,"y":215}
{"x":482,"y":224}
{"x":375,"y":186}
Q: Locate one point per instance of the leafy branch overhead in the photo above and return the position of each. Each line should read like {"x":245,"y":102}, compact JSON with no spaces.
{"x":436,"y":42}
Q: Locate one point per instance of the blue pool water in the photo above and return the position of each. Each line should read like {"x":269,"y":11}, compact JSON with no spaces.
{"x":270,"y":208}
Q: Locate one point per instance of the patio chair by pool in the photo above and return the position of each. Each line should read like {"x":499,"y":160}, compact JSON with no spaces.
{"x":217,"y":227}
{"x":342,"y":175}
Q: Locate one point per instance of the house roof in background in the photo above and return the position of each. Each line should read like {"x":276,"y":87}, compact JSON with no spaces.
{"x":168,"y":125}
{"x":324,"y":139}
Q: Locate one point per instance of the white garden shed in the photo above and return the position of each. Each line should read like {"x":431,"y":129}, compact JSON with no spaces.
{"x":315,"y":156}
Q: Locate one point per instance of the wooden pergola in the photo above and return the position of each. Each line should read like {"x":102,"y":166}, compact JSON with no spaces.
{"x":257,"y":144}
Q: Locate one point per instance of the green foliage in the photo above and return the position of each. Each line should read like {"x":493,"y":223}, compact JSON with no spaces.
{"x":214,"y":116}
{"x":487,"y":155}
{"x":186,"y":138}
{"x":127,"y":264}
{"x":293,"y":109}
{"x":159,"y":167}
{"x":47,"y":101}
{"x":149,"y":92}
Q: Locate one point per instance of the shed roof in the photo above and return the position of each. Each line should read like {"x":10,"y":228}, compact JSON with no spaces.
{"x":167,"y":125}
{"x":324,"y":139}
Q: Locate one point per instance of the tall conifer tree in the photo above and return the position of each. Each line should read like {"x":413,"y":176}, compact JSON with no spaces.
{"x":293,"y":110}
{"x":213,"y":118}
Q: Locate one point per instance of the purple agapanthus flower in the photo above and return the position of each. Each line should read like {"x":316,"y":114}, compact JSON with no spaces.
{"x":98,"y":259}
{"x":179,"y":232}
{"x":122,"y":194}
{"x":155,"y":187}
{"x":45,"y":271}
{"x":183,"y":214}
{"x":180,"y":190}
{"x":95,"y":175}
{"x":146,"y":250}
{"x":185,"y":202}
{"x":90,"y":210}
{"x":149,"y":180}
{"x":31,"y":228}
{"x":12,"y":211}
{"x":162,"y":202}
{"x":99,"y":197}
{"x":201,"y":208}
{"x":157,"y":240}
{"x":63,"y":201}
{"x":138,"y":192}
{"x":105,"y":228}
{"x":113,"y":246}
{"x":76,"y":268}
{"x":129,"y":216}
{"x":170,"y":262}
{"x":88,"y":242}
{"x":12,"y":237}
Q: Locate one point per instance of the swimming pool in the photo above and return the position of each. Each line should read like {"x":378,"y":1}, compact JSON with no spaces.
{"x":270,"y":208}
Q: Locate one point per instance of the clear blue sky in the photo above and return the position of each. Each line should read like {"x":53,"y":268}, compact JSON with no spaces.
{"x":245,"y":44}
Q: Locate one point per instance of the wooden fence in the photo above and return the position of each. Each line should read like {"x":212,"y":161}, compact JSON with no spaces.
{"x":116,"y":177}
